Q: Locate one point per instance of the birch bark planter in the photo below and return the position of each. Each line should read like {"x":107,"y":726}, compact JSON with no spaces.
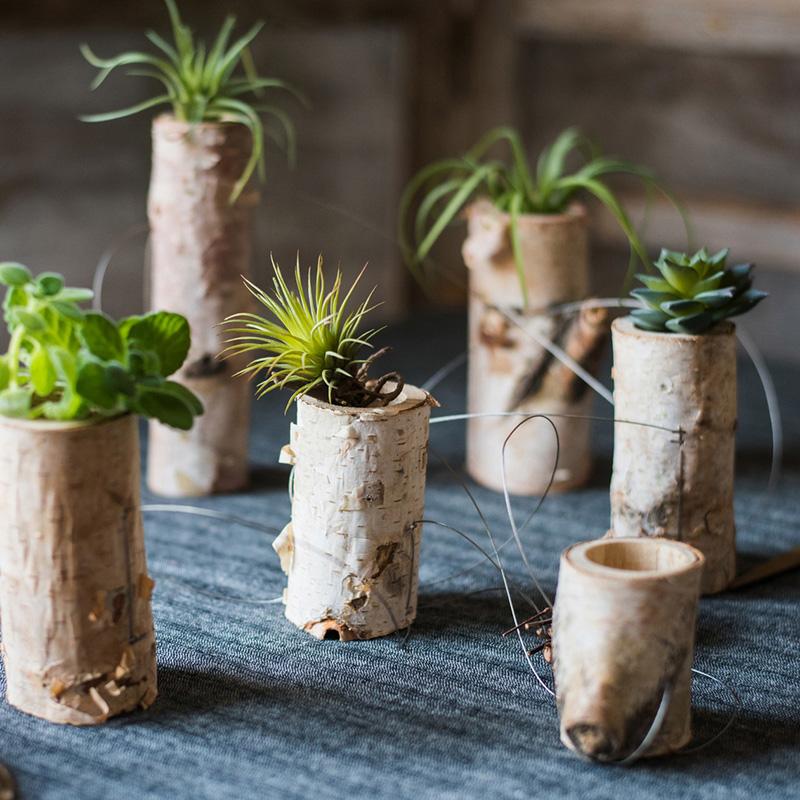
{"x":201,"y":247}
{"x":508,"y":369}
{"x":623,"y":632}
{"x":78,"y":642}
{"x":351,"y":551}
{"x":658,"y":487}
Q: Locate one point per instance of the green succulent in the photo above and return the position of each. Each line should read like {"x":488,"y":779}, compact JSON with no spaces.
{"x":310,"y":341}
{"x":65,"y":363}
{"x":693,"y":293}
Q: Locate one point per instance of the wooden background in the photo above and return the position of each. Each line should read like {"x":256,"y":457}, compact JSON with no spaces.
{"x":704,"y":91}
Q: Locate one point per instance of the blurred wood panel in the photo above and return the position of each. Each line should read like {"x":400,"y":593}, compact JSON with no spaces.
{"x":745,"y":26}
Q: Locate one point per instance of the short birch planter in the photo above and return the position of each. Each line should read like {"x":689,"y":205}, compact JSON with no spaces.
{"x":351,"y":551}
{"x":78,"y":640}
{"x":509,"y":371}
{"x":201,"y":248}
{"x":623,"y":633}
{"x":658,"y":488}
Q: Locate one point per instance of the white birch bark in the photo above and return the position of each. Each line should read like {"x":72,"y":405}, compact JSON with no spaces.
{"x":78,"y":641}
{"x":685,"y":382}
{"x":508,"y":369}
{"x":351,"y":551}
{"x":201,"y":248}
{"x":623,"y":631}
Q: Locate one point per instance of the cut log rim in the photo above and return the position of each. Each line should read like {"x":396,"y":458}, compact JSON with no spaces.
{"x":169,"y":120}
{"x":576,"y":211}
{"x":689,"y":558}
{"x":410,"y":398}
{"x":59,"y":426}
{"x":625,"y":326}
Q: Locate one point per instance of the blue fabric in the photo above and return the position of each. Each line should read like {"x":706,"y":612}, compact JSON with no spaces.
{"x":250,"y":707}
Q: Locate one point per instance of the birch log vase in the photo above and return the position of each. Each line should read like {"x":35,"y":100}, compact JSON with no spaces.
{"x":200,"y":249}
{"x":351,"y":550}
{"x":660,"y":487}
{"x":509,"y":371}
{"x":623,"y":635}
{"x":78,"y":641}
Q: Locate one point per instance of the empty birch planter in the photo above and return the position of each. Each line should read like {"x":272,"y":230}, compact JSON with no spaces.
{"x":623,"y":635}
{"x":78,"y":642}
{"x":508,"y":370}
{"x":200,"y":249}
{"x":351,"y":551}
{"x":660,"y":487}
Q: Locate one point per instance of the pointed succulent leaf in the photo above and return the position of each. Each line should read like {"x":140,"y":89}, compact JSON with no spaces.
{"x":654,"y":283}
{"x":682,"y":279}
{"x":710,"y":283}
{"x":719,"y":258}
{"x":739,"y":273}
{"x":13,"y":274}
{"x":648,"y":319}
{"x":653,"y":299}
{"x":716,"y":298}
{"x":745,"y":302}
{"x":682,"y":308}
{"x":693,"y":324}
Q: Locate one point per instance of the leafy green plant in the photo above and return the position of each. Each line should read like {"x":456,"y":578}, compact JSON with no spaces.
{"x":441,"y":190}
{"x":310,"y":342}
{"x":202,"y":84}
{"x":693,"y":293}
{"x":64,"y":363}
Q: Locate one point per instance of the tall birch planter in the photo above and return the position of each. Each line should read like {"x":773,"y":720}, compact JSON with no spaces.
{"x":508,"y":370}
{"x":78,"y":641}
{"x":623,"y":644}
{"x":351,"y":550}
{"x":200,"y":249}
{"x":676,"y":485}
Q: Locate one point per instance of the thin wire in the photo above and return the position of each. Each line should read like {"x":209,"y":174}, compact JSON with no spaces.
{"x":107,"y":257}
{"x":653,"y":731}
{"x":444,"y":371}
{"x":773,"y":407}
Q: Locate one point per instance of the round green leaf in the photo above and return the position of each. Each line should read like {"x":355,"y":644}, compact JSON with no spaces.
{"x":162,"y":333}
{"x":42,"y":372}
{"x":93,"y":386}
{"x":29,"y":319}
{"x":49,"y":284}
{"x":13,"y":274}
{"x":101,"y":337}
{"x":15,"y":402}
{"x":166,"y":408}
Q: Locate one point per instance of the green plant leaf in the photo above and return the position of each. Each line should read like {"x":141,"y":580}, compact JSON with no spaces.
{"x":93,"y":385}
{"x":15,"y":402}
{"x":5,"y":373}
{"x":655,"y":284}
{"x":682,"y":308}
{"x":101,"y":337}
{"x":682,"y":279}
{"x":654,"y":300}
{"x":716,"y":298}
{"x":67,"y":310}
{"x":42,"y":372}
{"x":70,"y":294}
{"x":188,"y":397}
{"x":30,"y":319}
{"x":166,"y":407}
{"x":692,"y":324}
{"x":48,"y":284}
{"x":162,"y":333}
{"x":649,"y":319}
{"x":13,"y":274}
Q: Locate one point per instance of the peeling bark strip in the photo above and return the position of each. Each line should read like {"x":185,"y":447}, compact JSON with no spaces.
{"x":508,"y":369}
{"x":201,"y":247}
{"x":683,"y":382}
{"x":78,"y":642}
{"x":351,"y":551}
{"x":623,"y":630}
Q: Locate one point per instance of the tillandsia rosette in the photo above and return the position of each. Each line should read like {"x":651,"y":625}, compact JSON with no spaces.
{"x":440,"y":191}
{"x":692,"y":293}
{"x":67,"y":363}
{"x":203,"y":84}
{"x":311,"y":342}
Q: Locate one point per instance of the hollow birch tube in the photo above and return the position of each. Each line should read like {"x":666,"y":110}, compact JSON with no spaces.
{"x":351,"y":551}
{"x":200,"y":249}
{"x":623,"y":634}
{"x":508,"y":370}
{"x":660,"y":487}
{"x":78,"y":641}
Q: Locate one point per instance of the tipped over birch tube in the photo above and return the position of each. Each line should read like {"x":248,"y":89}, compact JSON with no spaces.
{"x":78,"y":641}
{"x":659,"y":486}
{"x":201,"y":248}
{"x":623,"y":635}
{"x":508,"y":369}
{"x":351,"y":551}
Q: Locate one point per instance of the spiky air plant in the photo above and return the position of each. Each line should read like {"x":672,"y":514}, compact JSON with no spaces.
{"x":441,"y":190}
{"x":202,"y":84}
{"x":693,"y":293}
{"x":310,"y":342}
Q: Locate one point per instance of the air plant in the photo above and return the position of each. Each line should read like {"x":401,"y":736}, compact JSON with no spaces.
{"x":202,"y":84}
{"x":693,"y":293}
{"x":64,"y":363}
{"x":442,"y":189}
{"x":310,"y":342}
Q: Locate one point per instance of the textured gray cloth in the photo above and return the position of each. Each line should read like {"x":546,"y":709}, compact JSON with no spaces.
{"x":250,"y":707}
